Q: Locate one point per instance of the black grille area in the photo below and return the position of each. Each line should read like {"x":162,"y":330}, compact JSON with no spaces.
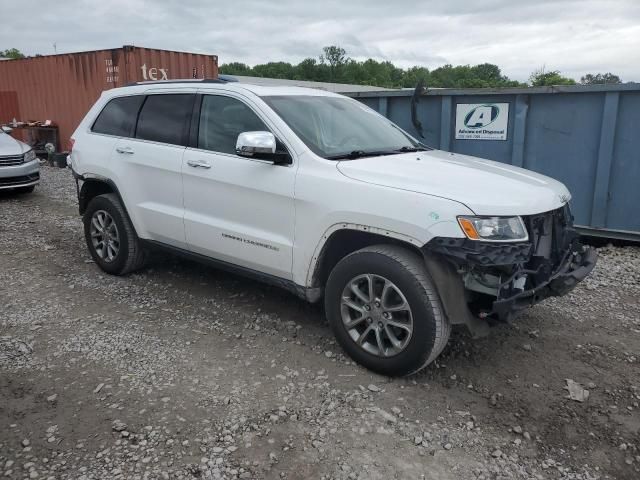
{"x":482,"y":253}
{"x":17,"y":181}
{"x":551,"y":236}
{"x":11,"y":160}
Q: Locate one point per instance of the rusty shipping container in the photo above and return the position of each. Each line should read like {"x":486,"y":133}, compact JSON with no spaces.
{"x":61,"y":88}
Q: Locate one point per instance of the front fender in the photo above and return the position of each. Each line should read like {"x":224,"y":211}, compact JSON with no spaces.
{"x":318,"y":252}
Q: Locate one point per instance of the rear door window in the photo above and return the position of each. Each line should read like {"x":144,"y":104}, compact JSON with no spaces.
{"x":165,"y":118}
{"x":119,"y":116}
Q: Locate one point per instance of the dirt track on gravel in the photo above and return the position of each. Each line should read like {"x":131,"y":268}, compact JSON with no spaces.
{"x":182,"y":371}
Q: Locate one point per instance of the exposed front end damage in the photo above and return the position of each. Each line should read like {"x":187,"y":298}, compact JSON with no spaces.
{"x":497,"y":279}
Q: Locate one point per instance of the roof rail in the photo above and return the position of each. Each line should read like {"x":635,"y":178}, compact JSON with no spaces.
{"x":187,"y":80}
{"x":227,"y":78}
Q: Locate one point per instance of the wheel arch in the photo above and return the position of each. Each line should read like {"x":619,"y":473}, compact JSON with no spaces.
{"x":94,"y":186}
{"x":342,"y":239}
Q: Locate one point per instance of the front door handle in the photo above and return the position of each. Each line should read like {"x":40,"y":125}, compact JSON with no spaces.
{"x":125,"y":150}
{"x":198,"y":164}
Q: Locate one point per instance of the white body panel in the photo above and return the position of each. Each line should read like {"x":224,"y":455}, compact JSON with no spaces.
{"x":345,"y":203}
{"x":485,"y":186}
{"x":276,"y":218}
{"x":240,"y":211}
{"x":151,"y":175}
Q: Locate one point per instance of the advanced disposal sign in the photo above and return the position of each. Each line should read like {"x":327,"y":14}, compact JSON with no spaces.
{"x":482,"y":121}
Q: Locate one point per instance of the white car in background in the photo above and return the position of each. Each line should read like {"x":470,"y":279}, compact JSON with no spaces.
{"x":19,"y":166}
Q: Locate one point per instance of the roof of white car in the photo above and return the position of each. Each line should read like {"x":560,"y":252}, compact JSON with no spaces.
{"x":259,"y":90}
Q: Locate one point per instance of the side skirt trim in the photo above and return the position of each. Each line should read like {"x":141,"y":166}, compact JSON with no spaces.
{"x":298,"y":290}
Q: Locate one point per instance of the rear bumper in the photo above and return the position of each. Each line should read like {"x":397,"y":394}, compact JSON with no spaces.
{"x":23,"y":175}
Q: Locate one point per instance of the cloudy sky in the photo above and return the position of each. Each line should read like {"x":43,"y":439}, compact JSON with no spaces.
{"x":573,"y":36}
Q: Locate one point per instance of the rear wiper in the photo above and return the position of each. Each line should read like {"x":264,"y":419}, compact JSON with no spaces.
{"x":360,"y":154}
{"x":411,"y":149}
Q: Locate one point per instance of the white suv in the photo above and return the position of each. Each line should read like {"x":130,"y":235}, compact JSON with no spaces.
{"x":319,"y":194}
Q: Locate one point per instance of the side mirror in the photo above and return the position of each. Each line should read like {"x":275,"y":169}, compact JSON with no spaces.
{"x":254,"y":144}
{"x":261,"y":145}
{"x":6,"y":129}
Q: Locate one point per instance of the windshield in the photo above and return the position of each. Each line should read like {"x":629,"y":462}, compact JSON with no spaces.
{"x":338,"y":128}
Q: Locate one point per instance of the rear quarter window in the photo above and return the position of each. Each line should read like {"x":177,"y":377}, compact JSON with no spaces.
{"x":118,"y":117}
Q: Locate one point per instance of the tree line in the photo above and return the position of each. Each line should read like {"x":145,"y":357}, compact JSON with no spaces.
{"x":333,"y":65}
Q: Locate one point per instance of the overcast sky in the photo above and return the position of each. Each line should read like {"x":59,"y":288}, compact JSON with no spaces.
{"x":575,"y":37}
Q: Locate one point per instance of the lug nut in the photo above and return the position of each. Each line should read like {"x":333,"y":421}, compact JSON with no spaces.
{"x":378,"y":304}
{"x":367,"y":308}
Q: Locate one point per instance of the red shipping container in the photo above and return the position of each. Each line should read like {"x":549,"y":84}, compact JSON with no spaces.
{"x":61,"y":88}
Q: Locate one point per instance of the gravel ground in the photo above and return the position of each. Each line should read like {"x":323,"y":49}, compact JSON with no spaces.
{"x":181,"y":371}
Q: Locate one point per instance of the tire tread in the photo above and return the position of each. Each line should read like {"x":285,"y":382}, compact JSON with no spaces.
{"x":136,"y":255}
{"x":414,"y":264}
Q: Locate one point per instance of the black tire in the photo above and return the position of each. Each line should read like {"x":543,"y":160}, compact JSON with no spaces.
{"x":130,"y":256}
{"x":407,"y":271}
{"x":28,"y":189}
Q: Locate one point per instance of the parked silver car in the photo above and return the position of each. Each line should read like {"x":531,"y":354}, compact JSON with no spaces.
{"x":19,"y":166}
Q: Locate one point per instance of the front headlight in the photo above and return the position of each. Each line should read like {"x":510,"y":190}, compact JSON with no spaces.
{"x":30,"y":156}
{"x":494,"y":229}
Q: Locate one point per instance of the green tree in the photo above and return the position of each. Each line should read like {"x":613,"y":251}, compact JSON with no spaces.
{"x":235,"y":68}
{"x":489,"y":75}
{"x":335,"y":56}
{"x":541,"y":78}
{"x":306,"y":69}
{"x":600,"y":78}
{"x":413,"y":75}
{"x":274,"y":70}
{"x":448,"y":76}
{"x":11,"y":53}
{"x":333,"y":65}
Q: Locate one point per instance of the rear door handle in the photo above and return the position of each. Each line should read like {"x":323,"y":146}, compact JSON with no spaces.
{"x":125,"y":150}
{"x":198,"y":164}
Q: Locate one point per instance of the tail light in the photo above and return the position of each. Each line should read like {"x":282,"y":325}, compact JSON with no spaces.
{"x":72,"y":141}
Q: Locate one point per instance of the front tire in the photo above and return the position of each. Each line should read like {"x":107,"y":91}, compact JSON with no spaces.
{"x":110,"y":236}
{"x":385,"y":311}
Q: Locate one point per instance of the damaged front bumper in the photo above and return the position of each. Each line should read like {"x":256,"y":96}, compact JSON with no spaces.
{"x":499,"y":279}
{"x":579,"y":263}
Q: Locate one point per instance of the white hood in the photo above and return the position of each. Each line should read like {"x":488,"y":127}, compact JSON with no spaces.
{"x":11,"y":146}
{"x":485,"y":186}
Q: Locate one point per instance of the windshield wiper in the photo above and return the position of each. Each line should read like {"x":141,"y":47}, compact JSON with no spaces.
{"x":360,"y":154}
{"x":410,"y":149}
{"x":363,"y":153}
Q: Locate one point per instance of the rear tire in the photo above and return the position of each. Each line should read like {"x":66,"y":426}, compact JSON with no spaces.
{"x":110,"y":236}
{"x":387,"y":290}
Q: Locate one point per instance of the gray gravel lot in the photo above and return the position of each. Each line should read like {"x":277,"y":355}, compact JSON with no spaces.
{"x":182,"y":371}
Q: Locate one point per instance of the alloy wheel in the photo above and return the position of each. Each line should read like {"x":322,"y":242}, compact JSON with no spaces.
{"x":377,"y":315}
{"x":105,"y":237}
